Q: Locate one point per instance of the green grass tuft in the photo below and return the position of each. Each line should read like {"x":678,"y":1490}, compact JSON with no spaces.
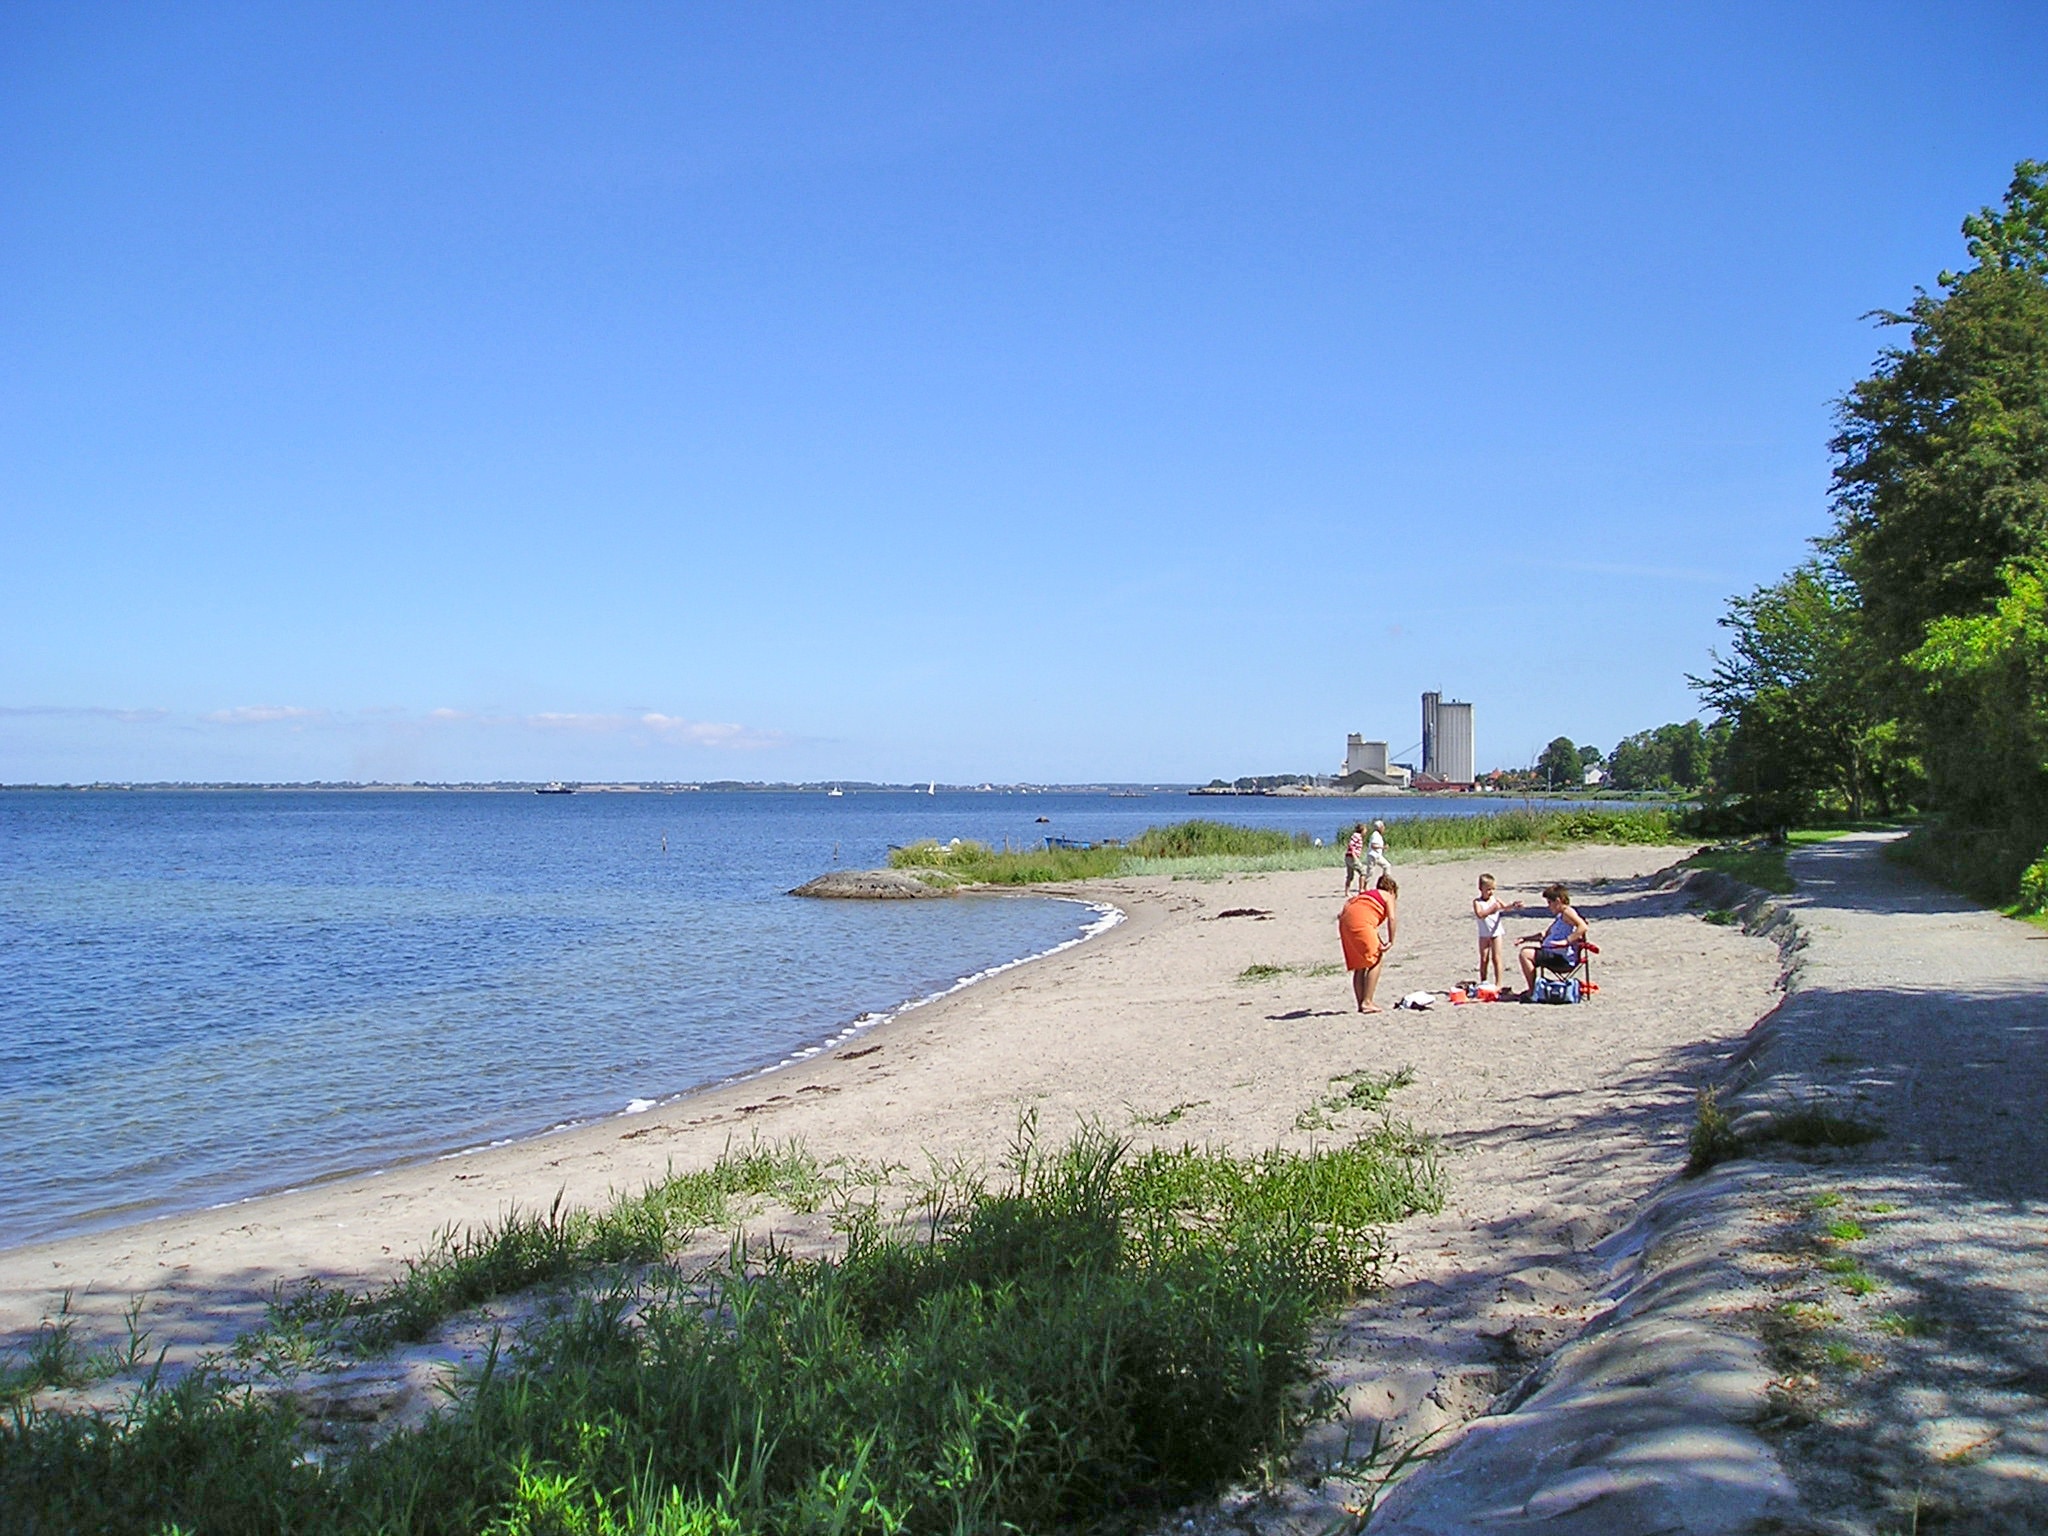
{"x":1713,"y":1138}
{"x":1103,"y":1337}
{"x":1814,"y":1125}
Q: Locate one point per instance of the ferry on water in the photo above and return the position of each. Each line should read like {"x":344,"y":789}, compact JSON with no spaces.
{"x":555,"y":788}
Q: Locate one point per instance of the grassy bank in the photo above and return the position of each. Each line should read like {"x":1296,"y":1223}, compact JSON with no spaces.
{"x":1206,"y":848}
{"x":2001,"y":867}
{"x":1091,"y":1339}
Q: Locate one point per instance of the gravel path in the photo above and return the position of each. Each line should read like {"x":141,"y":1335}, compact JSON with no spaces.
{"x":1845,"y":1328}
{"x":1916,"y":1389}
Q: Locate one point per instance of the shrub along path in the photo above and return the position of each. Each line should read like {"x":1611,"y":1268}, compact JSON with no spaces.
{"x":1844,"y":1327}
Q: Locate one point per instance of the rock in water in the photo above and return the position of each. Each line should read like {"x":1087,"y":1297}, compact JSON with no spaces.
{"x":871,"y":885}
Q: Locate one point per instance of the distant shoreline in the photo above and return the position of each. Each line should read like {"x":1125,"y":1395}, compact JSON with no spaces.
{"x":643,"y":787}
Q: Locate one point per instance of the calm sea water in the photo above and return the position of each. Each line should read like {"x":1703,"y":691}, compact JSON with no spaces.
{"x":208,"y":995}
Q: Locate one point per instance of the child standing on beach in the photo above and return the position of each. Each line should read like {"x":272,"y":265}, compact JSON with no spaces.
{"x":1358,"y":930}
{"x":1487,"y":910}
{"x":1354,"y":859}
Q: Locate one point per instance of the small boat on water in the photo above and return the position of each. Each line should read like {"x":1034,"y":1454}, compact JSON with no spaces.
{"x":555,"y":788}
{"x":835,"y":793}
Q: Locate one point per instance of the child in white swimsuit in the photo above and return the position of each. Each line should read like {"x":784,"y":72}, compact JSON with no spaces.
{"x":1487,"y":911}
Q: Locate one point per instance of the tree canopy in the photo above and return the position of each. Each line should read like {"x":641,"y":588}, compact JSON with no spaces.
{"x":1918,"y":636}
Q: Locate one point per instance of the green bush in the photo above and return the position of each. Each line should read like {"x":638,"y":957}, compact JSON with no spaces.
{"x":2033,"y":892}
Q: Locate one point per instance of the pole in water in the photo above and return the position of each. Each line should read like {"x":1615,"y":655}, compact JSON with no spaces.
{"x":664,"y":842}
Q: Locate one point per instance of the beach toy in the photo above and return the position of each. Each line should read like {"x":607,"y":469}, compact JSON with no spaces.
{"x":1457,"y":995}
{"x":1489,"y":994}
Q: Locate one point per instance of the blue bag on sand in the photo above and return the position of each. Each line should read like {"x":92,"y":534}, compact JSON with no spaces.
{"x":1557,"y":989}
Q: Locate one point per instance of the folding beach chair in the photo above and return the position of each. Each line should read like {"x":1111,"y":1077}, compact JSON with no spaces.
{"x":1577,"y":965}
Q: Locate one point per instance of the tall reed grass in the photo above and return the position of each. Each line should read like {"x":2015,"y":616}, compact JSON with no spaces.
{"x":1204,"y":849}
{"x":1102,"y":1336}
{"x":1535,"y":827}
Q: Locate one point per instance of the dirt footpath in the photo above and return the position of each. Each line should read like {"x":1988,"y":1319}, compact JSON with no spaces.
{"x":1845,"y":1328}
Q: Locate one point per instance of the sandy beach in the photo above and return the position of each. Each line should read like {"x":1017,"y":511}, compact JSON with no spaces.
{"x":1553,"y":1120}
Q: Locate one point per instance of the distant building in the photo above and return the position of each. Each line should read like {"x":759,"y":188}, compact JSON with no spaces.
{"x":1446,"y":740}
{"x":1366,"y":767}
{"x":1596,"y":775}
{"x":1362,"y":756}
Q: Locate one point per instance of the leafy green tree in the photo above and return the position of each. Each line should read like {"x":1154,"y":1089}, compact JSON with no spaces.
{"x":1941,"y":495}
{"x":1987,"y":709}
{"x":1796,"y":685}
{"x":1559,"y":764}
{"x":1942,"y":472}
{"x":1675,"y":756}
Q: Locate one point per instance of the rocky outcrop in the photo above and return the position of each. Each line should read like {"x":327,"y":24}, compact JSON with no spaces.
{"x":877,"y":885}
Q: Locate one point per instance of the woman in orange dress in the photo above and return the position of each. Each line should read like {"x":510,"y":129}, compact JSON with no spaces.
{"x":1358,"y":929}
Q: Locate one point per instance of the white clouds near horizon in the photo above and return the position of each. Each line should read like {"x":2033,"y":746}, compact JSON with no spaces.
{"x":58,"y":743}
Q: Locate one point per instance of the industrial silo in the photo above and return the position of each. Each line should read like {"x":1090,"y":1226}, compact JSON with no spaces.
{"x":1447,"y":754}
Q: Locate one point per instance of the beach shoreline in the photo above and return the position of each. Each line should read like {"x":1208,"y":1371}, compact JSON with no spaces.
{"x":1148,"y":1029}
{"x":77,"y":1261}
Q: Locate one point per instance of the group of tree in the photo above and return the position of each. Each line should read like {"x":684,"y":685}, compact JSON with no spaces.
{"x":1906,"y":663}
{"x":1687,"y":757}
{"x":1678,"y":758}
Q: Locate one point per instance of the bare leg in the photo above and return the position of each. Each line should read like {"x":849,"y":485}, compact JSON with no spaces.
{"x":1499,"y":946}
{"x":1486,"y":959}
{"x":1372,"y":983}
{"x":1358,"y":988}
{"x":1528,"y":959}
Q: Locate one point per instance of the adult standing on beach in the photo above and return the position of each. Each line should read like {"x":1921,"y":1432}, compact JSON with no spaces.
{"x":1376,"y":866}
{"x":1358,"y":930}
{"x":1354,"y":859}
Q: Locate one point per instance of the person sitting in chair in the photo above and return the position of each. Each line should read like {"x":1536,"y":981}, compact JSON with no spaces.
{"x":1556,"y":948}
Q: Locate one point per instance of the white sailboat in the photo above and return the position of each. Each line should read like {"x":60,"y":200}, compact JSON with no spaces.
{"x":932,"y":788}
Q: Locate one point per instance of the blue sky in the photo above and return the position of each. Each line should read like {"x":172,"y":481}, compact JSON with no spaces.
{"x":975,"y":392}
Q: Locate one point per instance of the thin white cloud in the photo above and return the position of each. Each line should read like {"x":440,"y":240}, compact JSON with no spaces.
{"x":652,"y":724}
{"x":646,"y":727}
{"x":86,"y":712}
{"x":262,"y":714}
{"x":709,"y":733}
